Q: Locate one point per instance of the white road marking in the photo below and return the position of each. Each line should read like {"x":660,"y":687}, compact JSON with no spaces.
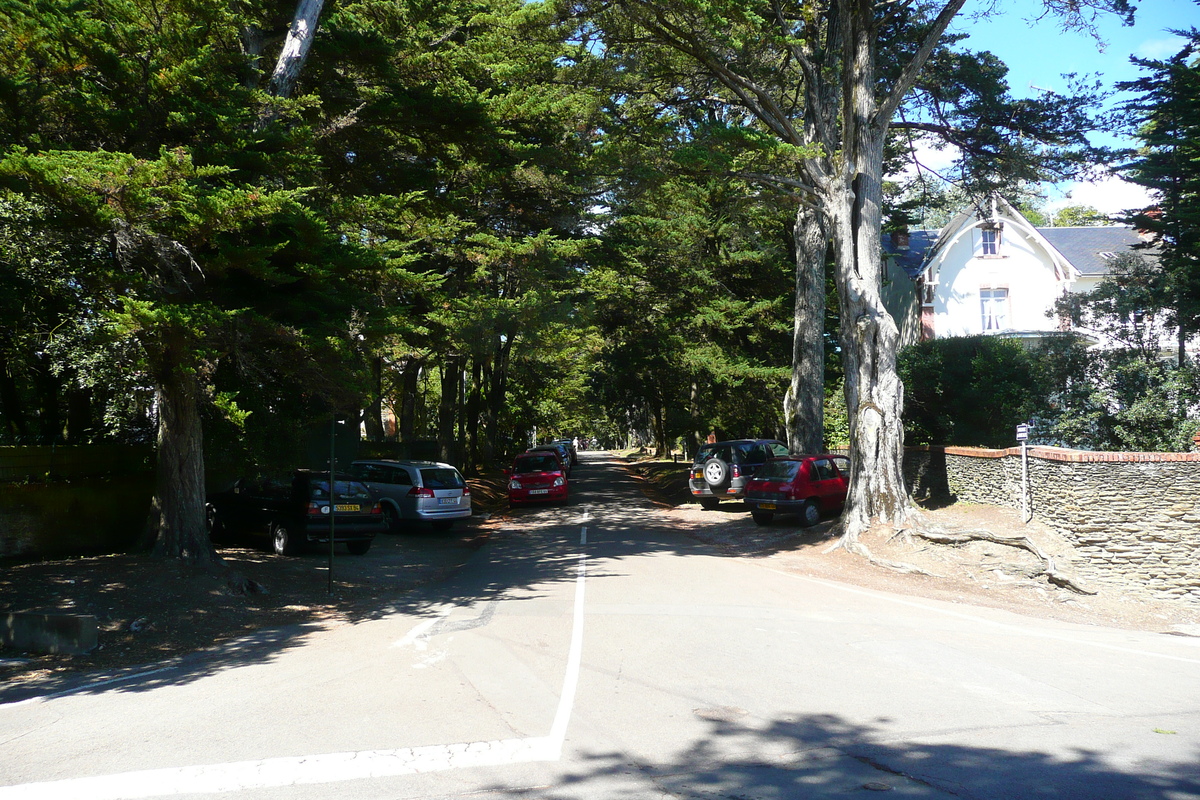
{"x":334,"y":767}
{"x":417,"y":634}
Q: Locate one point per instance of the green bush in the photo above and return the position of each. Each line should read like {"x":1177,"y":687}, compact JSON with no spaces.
{"x":971,"y":391}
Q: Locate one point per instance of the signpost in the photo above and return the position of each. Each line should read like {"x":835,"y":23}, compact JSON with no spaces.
{"x":332,"y":496}
{"x":1023,"y":438}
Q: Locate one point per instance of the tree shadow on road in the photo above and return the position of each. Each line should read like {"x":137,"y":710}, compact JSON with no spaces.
{"x":416,"y":573}
{"x":820,"y":756}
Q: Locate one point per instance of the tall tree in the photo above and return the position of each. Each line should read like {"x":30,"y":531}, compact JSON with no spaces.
{"x":1166,"y":115}
{"x":827,"y":80}
{"x":136,"y":128}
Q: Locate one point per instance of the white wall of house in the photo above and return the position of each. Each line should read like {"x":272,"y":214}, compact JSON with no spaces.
{"x":979,"y":292}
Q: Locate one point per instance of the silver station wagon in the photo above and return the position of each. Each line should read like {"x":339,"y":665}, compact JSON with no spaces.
{"x":416,"y":491}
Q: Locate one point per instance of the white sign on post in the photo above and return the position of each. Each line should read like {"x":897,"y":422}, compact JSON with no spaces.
{"x":1022,"y":433}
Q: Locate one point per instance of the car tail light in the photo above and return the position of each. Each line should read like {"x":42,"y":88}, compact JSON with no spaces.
{"x":735,"y":471}
{"x":316,"y":509}
{"x":377,"y":508}
{"x":420,"y":491}
{"x":466,"y":490}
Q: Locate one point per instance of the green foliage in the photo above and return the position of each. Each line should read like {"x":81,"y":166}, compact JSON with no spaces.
{"x":1116,"y":400}
{"x":973,"y":391}
{"x":1166,"y":116}
{"x":970,"y":390}
{"x":1126,"y":307}
{"x":1079,"y":216}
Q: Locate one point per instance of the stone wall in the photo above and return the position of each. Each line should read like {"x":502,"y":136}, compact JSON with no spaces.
{"x":1133,"y":517}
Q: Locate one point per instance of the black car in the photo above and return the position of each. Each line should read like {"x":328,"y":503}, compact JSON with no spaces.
{"x":721,"y":469}
{"x":293,"y":511}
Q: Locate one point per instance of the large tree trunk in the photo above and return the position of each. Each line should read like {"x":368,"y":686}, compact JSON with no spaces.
{"x":179,"y":495}
{"x":497,"y":395}
{"x":804,"y":404}
{"x":870,"y":342}
{"x":12,"y":409}
{"x":373,"y":413}
{"x":447,"y":418}
{"x":295,"y":47}
{"x":409,"y":387}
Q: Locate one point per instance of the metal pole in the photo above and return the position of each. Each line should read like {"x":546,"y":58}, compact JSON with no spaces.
{"x":1025,"y":512}
{"x":332,"y":493}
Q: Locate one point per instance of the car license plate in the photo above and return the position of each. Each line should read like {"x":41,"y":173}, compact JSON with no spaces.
{"x":539,"y":491}
{"x":767,"y":506}
{"x":346,"y":507}
{"x":447,"y":501}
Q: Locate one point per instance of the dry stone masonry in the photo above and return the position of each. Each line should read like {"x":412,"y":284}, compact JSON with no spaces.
{"x":1134,"y":518}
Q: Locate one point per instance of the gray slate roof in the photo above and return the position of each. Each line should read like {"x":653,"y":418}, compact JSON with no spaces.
{"x":1083,"y":246}
{"x":1080,"y":246}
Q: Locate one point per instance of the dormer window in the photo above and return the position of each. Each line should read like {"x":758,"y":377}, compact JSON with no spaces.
{"x":989,"y":242}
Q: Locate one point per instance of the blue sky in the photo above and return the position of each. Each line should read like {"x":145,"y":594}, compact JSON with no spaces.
{"x":1038,"y":52}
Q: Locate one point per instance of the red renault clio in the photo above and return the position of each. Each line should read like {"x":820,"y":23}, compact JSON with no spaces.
{"x":807,"y":486}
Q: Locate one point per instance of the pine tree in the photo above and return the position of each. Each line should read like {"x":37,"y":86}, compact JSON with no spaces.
{"x":1167,"y":115}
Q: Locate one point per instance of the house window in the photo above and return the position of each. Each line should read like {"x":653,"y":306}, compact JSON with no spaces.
{"x":989,"y":241}
{"x":928,"y":292}
{"x":995,"y":309}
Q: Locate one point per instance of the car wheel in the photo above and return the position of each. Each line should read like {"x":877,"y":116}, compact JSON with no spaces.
{"x":443,"y":524}
{"x":282,"y":541}
{"x":762,"y":517}
{"x":710,"y":503}
{"x":716,"y":473}
{"x":359,"y":548}
{"x":810,"y":514}
{"x":392,"y":516}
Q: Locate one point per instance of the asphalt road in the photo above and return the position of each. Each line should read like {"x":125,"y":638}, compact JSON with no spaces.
{"x":590,"y":652}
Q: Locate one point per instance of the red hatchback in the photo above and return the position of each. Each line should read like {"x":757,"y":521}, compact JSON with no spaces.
{"x":808,"y":486}
{"x":536,"y":477}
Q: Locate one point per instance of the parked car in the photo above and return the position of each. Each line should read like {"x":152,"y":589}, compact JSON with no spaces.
{"x":721,"y":469}
{"x":537,"y":476}
{"x":564,"y":455}
{"x":805,"y":485}
{"x":571,"y":450}
{"x":416,"y":491}
{"x":293,"y":510}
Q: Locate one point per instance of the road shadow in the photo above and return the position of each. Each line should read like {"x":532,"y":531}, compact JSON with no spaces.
{"x":418,"y":572}
{"x":809,"y":756}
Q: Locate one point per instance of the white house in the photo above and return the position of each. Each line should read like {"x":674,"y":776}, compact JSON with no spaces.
{"x":990,"y":271}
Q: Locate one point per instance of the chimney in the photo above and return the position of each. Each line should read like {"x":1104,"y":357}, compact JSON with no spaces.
{"x":900,"y":238}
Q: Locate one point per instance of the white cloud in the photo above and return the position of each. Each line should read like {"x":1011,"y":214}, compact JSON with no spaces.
{"x":1158,"y":49}
{"x":1111,"y":196}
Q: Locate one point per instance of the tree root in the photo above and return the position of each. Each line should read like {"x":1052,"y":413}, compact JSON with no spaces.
{"x":856,"y":547}
{"x":1049,"y":568}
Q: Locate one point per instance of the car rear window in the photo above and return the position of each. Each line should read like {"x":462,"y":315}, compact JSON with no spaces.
{"x":779,"y":470}
{"x":346,"y":490}
{"x":713,"y":451}
{"x":441,"y":478}
{"x":381,"y":473}
{"x":536,"y":464}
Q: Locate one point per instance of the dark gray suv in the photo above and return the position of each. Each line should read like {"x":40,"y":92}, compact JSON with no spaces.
{"x":721,"y":469}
